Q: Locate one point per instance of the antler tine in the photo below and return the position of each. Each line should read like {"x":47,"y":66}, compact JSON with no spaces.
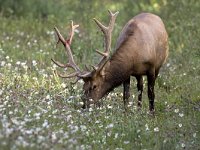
{"x":73,"y":27}
{"x":60,"y":37}
{"x":67,"y":76}
{"x":66,"y":44}
{"x":108,"y":35}
{"x":59,"y":64}
{"x":62,"y":40}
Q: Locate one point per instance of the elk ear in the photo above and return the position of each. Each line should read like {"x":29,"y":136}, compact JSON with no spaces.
{"x":86,"y":76}
{"x":86,"y":79}
{"x":102,"y":72}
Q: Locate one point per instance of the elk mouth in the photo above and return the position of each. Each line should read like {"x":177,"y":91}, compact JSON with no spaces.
{"x":87,"y":101}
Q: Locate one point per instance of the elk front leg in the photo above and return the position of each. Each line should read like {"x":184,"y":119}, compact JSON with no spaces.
{"x":151,"y":82}
{"x":86,"y":103}
{"x":140,"y":90}
{"x":126,"y":93}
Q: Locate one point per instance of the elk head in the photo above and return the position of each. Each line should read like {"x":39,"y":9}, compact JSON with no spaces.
{"x":95,"y":85}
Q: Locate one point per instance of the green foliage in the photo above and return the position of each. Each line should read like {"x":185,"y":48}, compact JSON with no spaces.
{"x":38,"y":110}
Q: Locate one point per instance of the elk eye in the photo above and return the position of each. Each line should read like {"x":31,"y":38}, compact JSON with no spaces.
{"x":94,"y":87}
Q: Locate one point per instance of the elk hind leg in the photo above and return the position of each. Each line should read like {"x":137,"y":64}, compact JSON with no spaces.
{"x":151,"y":95}
{"x":140,"y":90}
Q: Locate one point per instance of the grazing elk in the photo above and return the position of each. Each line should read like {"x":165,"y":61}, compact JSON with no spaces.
{"x":141,"y":49}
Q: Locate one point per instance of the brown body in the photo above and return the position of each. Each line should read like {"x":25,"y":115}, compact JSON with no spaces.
{"x":141,"y":49}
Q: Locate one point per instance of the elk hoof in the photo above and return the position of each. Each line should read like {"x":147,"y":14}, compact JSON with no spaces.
{"x":152,"y":112}
{"x":84,"y":106}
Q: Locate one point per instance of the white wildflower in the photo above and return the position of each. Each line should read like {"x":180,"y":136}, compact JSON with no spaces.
{"x":7,"y":57}
{"x":35,"y":78}
{"x":7,"y":97}
{"x":9,"y":65}
{"x":106,"y":117}
{"x":69,"y":117}
{"x":1,"y":92}
{"x":118,"y":148}
{"x":54,"y":66}
{"x":34,"y":62}
{"x":37,"y":115}
{"x":165,"y":140}
{"x":97,"y":121}
{"x":126,"y":142}
{"x":156,"y":129}
{"x":194,"y":135}
{"x":138,"y":131}
{"x":40,"y":139}
{"x":110,"y":125}
{"x":45,"y":75}
{"x":3,"y":63}
{"x":116,"y":135}
{"x":146,"y":127}
{"x":180,"y":125}
{"x":81,"y":103}
{"x":45,"y":124}
{"x":168,"y":64}
{"x":18,"y":63}
{"x":48,"y":96}
{"x":6,"y":102}
{"x":83,"y":128}
{"x":80,"y":81}
{"x":176,"y":110}
{"x":10,"y":112}
{"x":14,"y":120}
{"x":182,"y":145}
{"x":109,"y":107}
{"x":29,"y":132}
{"x":181,"y":114}
{"x":100,"y":126}
{"x":63,"y":85}
{"x":29,"y":43}
{"x":90,"y":109}
{"x":75,"y":129}
{"x":108,"y":134}
{"x":23,"y":64}
{"x":54,"y":111}
{"x":53,"y":136}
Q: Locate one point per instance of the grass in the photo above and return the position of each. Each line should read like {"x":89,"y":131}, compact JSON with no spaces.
{"x":38,"y":110}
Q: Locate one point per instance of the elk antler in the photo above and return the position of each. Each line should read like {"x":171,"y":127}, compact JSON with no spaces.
{"x":107,"y":31}
{"x":71,"y":63}
{"x":66,"y":43}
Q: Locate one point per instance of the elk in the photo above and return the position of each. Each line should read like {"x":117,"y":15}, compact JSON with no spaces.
{"x":141,"y":49}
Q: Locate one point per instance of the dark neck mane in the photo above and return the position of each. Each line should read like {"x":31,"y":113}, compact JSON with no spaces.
{"x":116,"y":72}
